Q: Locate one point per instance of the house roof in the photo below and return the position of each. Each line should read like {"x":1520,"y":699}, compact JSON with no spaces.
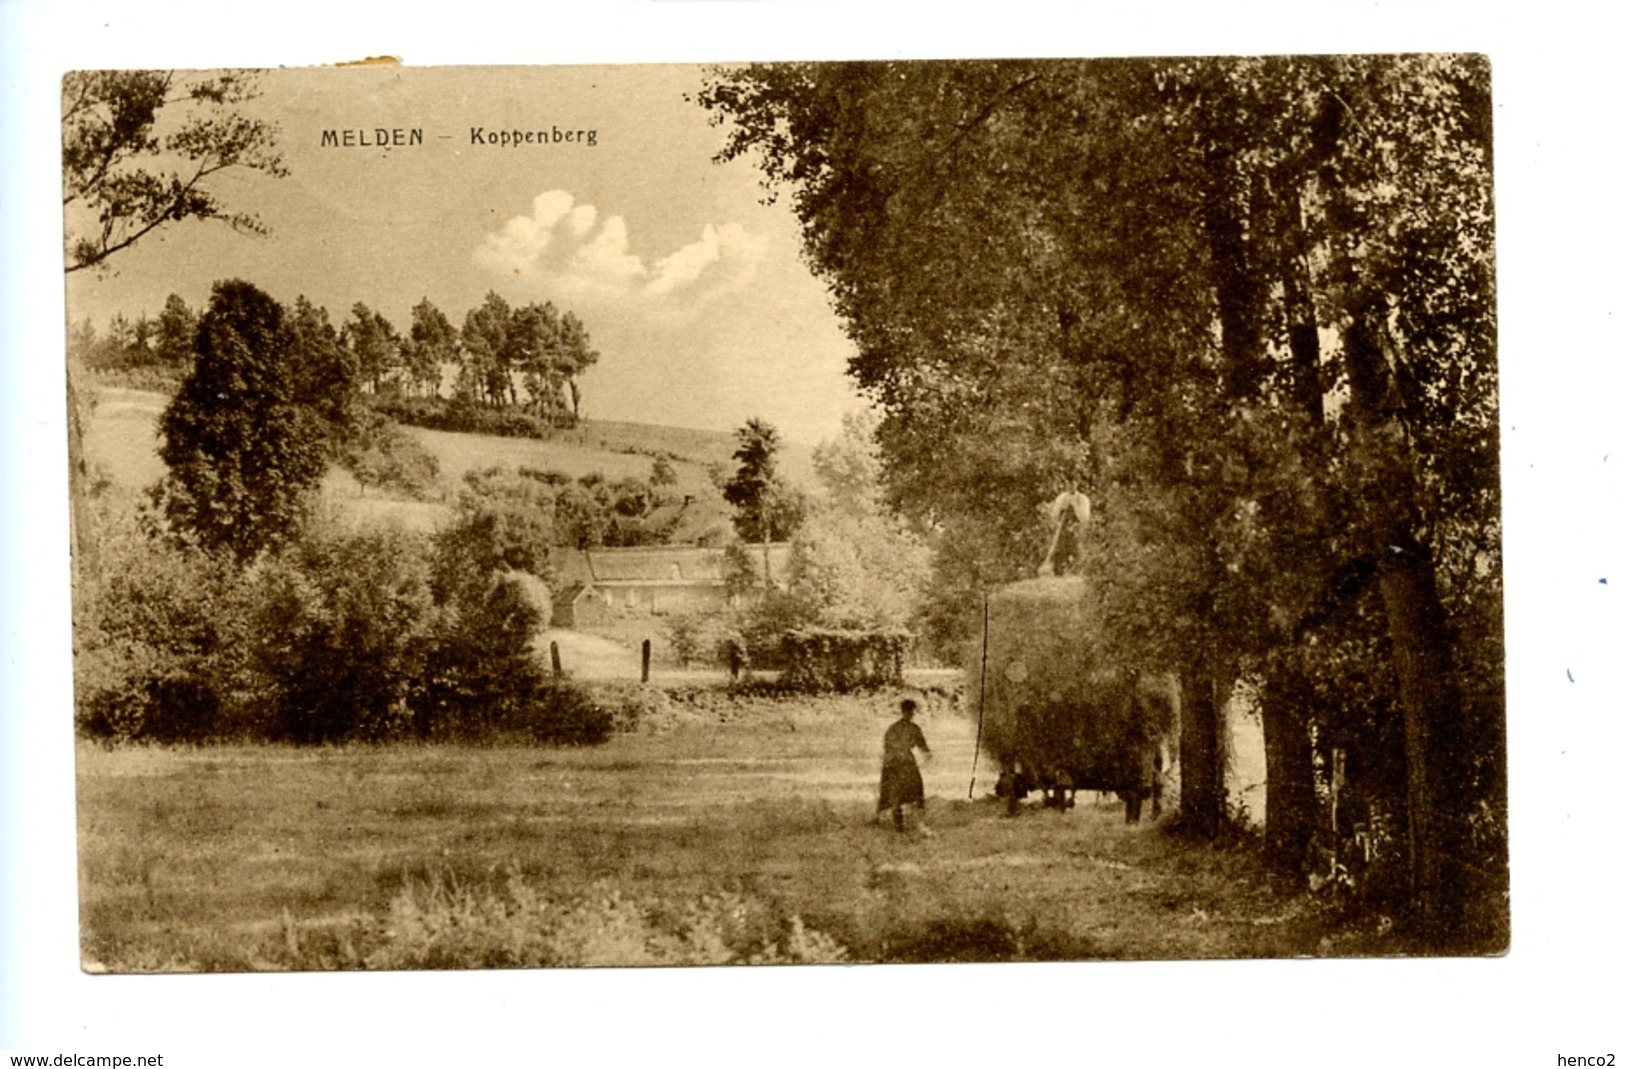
{"x":684,"y":564}
{"x":567,"y":596}
{"x":569,"y":567}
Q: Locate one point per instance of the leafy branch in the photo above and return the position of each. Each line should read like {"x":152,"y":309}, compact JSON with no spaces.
{"x":119,"y":166}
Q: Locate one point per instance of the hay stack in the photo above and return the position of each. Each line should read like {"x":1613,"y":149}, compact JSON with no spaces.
{"x":1051,"y":702}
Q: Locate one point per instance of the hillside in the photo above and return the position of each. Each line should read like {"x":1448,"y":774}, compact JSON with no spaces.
{"x":121,"y":437}
{"x":122,"y":444}
{"x":703,"y":447}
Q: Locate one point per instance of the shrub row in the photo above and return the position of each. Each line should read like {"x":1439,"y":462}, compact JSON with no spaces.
{"x":438,"y":921}
{"x":341,"y":637}
{"x":763,"y":702}
{"x":154,"y":378}
{"x":469,"y":417}
{"x":436,"y":926}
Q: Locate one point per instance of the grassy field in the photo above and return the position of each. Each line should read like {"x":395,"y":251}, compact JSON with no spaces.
{"x":248,"y":857}
{"x":617,"y":450}
{"x":121,"y":437}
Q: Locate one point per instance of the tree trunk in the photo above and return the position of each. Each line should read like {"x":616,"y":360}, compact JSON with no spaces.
{"x":1240,"y":293}
{"x":79,"y":515}
{"x":1201,"y":750}
{"x":1236,"y":283}
{"x":1428,"y":689}
{"x":1303,"y":338}
{"x":1289,"y":783}
{"x":1289,"y":788}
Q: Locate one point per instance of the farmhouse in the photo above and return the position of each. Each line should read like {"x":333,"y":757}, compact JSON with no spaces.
{"x":596,"y":584}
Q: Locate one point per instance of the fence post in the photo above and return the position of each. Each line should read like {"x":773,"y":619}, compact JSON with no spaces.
{"x":645,"y":661}
{"x":558,"y":665}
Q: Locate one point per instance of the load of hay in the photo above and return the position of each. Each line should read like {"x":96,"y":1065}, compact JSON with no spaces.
{"x":1053,"y":709}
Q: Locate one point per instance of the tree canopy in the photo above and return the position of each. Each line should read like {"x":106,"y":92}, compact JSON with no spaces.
{"x":766,"y":508}
{"x":243,"y":453}
{"x":139,"y":148}
{"x":535,"y":346}
{"x":1249,"y":305}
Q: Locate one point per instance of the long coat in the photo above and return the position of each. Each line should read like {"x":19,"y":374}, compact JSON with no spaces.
{"x":900,"y":782}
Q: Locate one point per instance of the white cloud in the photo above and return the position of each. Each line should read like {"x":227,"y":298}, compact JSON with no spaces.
{"x":566,"y":251}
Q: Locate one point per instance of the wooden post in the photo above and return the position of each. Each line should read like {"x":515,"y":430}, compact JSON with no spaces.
{"x":645,"y":678}
{"x":981,"y":709}
{"x":1338,"y":782}
{"x":558,"y":665}
{"x":767,"y":536}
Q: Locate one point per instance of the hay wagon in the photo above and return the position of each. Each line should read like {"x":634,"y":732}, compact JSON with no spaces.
{"x":1056,"y":718}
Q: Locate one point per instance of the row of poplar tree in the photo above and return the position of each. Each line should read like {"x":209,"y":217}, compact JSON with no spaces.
{"x":1248,"y":305}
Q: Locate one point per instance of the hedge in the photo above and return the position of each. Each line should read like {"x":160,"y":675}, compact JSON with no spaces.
{"x":820,"y":659}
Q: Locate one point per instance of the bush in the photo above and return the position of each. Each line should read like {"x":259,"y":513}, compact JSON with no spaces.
{"x":159,"y":704}
{"x":631,"y":497}
{"x":504,"y":523}
{"x":343,"y":628}
{"x":561,"y":713}
{"x":482,"y":675}
{"x":700,"y":638}
{"x":158,"y":633}
{"x":546,"y":476}
{"x":630,"y":705}
{"x":817,"y":659}
{"x":153,"y":378}
{"x":384,"y":456}
{"x":341,"y":636}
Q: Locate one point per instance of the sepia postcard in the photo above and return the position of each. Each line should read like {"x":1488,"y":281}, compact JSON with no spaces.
{"x":799,"y":513}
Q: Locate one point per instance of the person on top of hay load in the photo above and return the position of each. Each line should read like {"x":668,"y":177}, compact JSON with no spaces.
{"x":1069,"y":512}
{"x":900,"y":782}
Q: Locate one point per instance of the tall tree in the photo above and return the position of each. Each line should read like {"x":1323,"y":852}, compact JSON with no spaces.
{"x":177,"y":324}
{"x":243,"y":454}
{"x":531,"y":349}
{"x":374,"y":345}
{"x":576,"y":355}
{"x":766,"y":508}
{"x":850,"y":465}
{"x":434,"y":345}
{"x":485,"y":374}
{"x":323,"y":373}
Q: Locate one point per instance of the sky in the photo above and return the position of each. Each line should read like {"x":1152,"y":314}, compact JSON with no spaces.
{"x":691,"y":287}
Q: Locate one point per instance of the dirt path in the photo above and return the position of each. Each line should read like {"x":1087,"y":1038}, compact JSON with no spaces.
{"x":589,"y":656}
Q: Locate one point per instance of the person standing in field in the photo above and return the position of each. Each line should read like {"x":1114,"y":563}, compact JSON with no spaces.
{"x":900,"y":782}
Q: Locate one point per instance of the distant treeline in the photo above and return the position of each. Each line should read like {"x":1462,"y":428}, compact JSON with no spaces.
{"x":511,"y":371}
